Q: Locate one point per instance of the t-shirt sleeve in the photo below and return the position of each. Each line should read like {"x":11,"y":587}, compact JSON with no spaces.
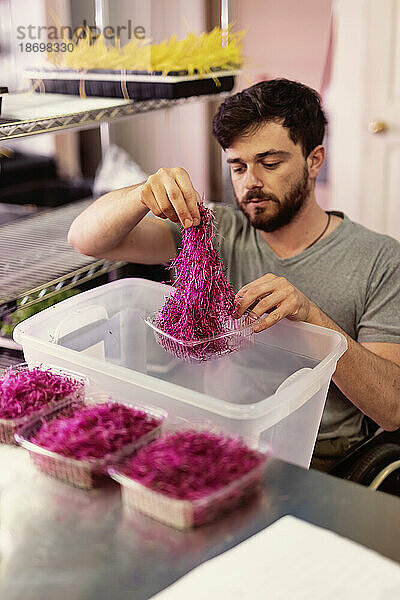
{"x":381,"y":319}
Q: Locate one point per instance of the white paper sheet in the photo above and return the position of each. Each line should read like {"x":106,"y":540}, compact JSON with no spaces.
{"x":291,"y":560}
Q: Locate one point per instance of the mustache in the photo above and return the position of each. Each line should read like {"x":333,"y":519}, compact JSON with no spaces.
{"x":259,"y":195}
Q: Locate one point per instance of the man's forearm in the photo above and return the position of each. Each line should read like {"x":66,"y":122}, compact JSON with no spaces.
{"x":369,"y":381}
{"x":107,"y":221}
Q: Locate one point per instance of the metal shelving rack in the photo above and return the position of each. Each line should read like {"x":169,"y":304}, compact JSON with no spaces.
{"x":37,"y":261}
{"x":29,"y":288}
{"x":82,"y":119}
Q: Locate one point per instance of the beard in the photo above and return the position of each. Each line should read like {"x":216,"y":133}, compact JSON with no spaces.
{"x":286,"y":208}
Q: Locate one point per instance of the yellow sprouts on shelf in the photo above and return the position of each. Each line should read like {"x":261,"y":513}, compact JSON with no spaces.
{"x":196,"y":53}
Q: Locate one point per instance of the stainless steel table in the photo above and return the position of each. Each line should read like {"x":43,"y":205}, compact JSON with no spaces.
{"x":57,"y":542}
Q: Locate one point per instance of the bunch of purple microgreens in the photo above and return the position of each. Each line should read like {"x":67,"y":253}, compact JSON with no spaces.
{"x":24,"y":391}
{"x":192,"y":465}
{"x":204,"y":301}
{"x":94,"y":431}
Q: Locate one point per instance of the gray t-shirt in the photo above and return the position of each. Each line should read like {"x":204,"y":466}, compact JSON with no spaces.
{"x":353,"y":275}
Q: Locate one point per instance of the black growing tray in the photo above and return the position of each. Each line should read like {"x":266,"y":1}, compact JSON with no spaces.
{"x":140,"y":89}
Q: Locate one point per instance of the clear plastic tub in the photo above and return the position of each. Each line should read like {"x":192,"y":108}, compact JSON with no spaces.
{"x":8,"y":427}
{"x":84,"y":474}
{"x":272,"y":393}
{"x":184,"y":514}
{"x":238,"y":335}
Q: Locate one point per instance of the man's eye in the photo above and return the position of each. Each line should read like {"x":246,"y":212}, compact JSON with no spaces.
{"x":238,"y":170}
{"x":271,"y":165}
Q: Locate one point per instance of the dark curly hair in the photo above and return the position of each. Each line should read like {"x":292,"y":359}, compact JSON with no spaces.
{"x":294,"y":105}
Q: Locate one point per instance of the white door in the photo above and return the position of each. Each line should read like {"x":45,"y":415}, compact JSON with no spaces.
{"x":364,"y":109}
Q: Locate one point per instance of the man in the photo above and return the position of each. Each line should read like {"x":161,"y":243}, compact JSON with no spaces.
{"x":285,"y":256}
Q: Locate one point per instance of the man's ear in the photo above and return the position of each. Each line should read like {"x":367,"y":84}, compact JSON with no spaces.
{"x":315,"y":161}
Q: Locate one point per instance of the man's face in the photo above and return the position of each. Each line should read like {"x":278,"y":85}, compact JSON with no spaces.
{"x":269,"y":176}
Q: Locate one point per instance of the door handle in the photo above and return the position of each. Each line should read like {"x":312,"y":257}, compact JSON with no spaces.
{"x":377,"y":126}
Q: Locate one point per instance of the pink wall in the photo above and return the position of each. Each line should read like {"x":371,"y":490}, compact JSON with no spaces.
{"x":285,"y":38}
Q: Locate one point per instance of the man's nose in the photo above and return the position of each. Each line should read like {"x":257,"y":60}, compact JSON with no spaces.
{"x":252,"y":179}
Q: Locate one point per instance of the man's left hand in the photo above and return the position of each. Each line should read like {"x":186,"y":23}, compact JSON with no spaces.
{"x":274,"y":294}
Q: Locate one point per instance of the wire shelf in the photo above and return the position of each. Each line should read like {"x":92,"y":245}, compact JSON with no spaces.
{"x":37,"y":262}
{"x":46,"y":112}
{"x":9,"y":358}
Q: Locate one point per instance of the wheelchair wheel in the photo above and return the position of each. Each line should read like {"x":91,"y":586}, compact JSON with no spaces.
{"x":373,"y":462}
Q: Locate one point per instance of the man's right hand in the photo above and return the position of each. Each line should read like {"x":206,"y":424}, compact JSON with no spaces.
{"x":169,"y":194}
{"x":113,"y":226}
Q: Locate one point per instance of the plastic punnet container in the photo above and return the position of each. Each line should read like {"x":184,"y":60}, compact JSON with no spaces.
{"x":183,"y":514}
{"x":80,"y":473}
{"x":238,"y":335}
{"x":8,"y":427}
{"x":272,"y":393}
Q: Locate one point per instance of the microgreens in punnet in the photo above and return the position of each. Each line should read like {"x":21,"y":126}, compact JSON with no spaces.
{"x":93,"y":432}
{"x":24,"y":391}
{"x":191,"y":464}
{"x":204,"y":300}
